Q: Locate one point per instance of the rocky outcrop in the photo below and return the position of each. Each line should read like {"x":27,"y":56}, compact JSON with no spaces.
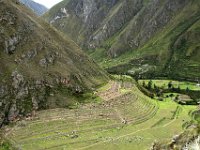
{"x":22,"y":96}
{"x":10,"y":44}
{"x":188,"y":140}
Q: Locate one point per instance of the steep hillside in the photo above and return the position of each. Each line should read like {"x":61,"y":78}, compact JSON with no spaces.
{"x":92,"y":21}
{"x":39,"y":68}
{"x":146,"y":37}
{"x":37,"y":8}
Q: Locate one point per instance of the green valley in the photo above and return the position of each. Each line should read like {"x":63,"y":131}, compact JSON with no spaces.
{"x":100,"y":75}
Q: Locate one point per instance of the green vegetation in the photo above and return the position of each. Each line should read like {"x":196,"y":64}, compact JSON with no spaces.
{"x":5,"y":144}
{"x":177,"y":112}
{"x":172,"y":51}
{"x":196,"y":116}
{"x":151,"y":41}
{"x":179,"y":91}
{"x":57,"y":98}
{"x":119,"y":120}
{"x":176,"y":84}
{"x":40,"y":68}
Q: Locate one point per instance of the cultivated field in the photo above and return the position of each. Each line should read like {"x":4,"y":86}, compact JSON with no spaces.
{"x":124,"y":119}
{"x":164,"y":84}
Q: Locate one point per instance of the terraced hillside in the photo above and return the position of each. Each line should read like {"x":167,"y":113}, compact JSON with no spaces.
{"x":146,"y":37}
{"x":123,"y":118}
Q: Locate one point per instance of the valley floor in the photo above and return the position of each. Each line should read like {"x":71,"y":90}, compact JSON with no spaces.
{"x":124,"y":118}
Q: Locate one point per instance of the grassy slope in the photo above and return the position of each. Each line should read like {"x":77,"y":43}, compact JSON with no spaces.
{"x":63,"y":45}
{"x":75,"y":22}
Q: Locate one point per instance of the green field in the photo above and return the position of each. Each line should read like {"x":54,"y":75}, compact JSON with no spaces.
{"x":124,"y":118}
{"x":164,"y":84}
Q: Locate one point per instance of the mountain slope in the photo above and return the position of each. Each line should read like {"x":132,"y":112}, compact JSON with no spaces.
{"x":146,"y":37}
{"x":37,"y":8}
{"x":39,"y":68}
{"x":92,"y":20}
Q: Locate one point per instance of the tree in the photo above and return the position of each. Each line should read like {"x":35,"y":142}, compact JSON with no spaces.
{"x":170,"y":85}
{"x":150,"y":83}
{"x":187,"y":89}
{"x":143,"y":84}
{"x":171,"y":95}
{"x":177,"y":98}
{"x":179,"y":88}
{"x":154,"y":86}
{"x":158,"y":91}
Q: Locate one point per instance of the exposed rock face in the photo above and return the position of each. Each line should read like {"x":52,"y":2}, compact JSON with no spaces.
{"x":124,"y":11}
{"x":37,"y":8}
{"x":150,"y":19}
{"x":83,"y":17}
{"x":134,"y":21}
{"x":37,"y":63}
